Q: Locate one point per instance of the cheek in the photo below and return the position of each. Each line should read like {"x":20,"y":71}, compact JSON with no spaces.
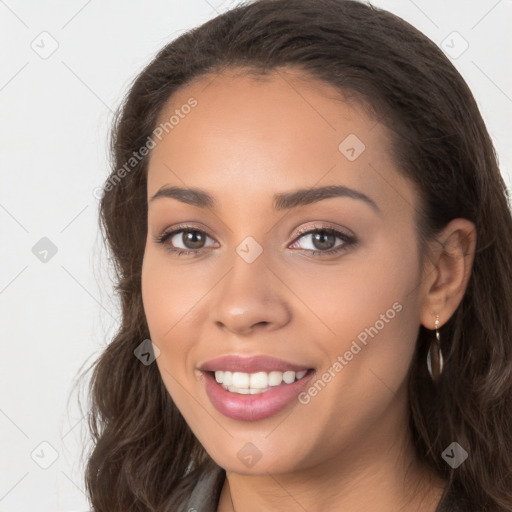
{"x":165,"y":303}
{"x":170,"y":294}
{"x":344,"y":301}
{"x":369,"y":322}
{"x":165,"y":300}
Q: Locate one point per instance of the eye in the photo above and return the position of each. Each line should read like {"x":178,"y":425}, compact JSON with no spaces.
{"x":192,"y":240}
{"x":322,"y":240}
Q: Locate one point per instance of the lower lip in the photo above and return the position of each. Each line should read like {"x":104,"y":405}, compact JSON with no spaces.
{"x":253,"y":407}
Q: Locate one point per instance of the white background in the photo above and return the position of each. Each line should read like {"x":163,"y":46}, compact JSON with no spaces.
{"x":56,"y":114}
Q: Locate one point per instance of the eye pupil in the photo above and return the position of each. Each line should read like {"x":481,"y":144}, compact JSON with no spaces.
{"x":319,"y":240}
{"x":195,"y":238}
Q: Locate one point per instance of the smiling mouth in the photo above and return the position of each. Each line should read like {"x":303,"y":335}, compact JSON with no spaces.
{"x":253,"y":388}
{"x":258,"y":382}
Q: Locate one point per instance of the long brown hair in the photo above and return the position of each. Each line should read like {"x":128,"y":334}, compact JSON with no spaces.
{"x":144,"y":455}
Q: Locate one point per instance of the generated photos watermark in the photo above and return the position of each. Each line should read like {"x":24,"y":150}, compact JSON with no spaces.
{"x":355,"y":348}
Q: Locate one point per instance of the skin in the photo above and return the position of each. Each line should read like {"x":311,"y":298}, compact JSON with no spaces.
{"x":349,"y":448}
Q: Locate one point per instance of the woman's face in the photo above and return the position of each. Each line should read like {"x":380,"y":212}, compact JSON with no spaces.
{"x":264,"y":292}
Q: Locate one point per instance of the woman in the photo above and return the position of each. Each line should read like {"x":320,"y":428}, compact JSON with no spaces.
{"x":312,"y":243}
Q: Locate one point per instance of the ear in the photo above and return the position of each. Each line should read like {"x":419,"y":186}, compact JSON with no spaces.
{"x":447,"y":271}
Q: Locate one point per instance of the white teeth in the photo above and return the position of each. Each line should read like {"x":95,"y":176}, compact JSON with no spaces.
{"x":289,"y":377}
{"x":258,"y":380}
{"x":243,"y":391}
{"x":275,"y":378}
{"x":227,"y":378}
{"x":301,"y":374}
{"x":254,"y":383}
{"x":241,"y":380}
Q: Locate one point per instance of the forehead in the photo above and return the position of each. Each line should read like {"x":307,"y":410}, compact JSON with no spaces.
{"x":285,"y":102}
{"x":273,"y":132}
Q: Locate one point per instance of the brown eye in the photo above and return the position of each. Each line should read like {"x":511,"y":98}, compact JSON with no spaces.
{"x":323,"y":241}
{"x":191,"y":239}
{"x":183,"y":240}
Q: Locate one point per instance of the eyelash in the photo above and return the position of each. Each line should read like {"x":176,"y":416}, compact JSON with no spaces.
{"x":347,"y":239}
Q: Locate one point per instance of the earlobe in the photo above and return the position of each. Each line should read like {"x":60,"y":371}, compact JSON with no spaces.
{"x":449,"y":271}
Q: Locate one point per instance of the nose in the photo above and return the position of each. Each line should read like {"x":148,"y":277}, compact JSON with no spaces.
{"x":250,"y":297}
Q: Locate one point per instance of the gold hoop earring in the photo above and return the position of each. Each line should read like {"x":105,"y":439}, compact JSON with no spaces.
{"x":435,"y":355}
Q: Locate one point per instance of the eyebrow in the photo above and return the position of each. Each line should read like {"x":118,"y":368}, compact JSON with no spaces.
{"x":282,"y":201}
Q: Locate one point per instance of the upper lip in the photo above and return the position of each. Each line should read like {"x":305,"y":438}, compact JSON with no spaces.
{"x":252,"y":364}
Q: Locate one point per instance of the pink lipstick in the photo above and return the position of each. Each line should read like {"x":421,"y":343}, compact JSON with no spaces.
{"x":253,"y":388}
